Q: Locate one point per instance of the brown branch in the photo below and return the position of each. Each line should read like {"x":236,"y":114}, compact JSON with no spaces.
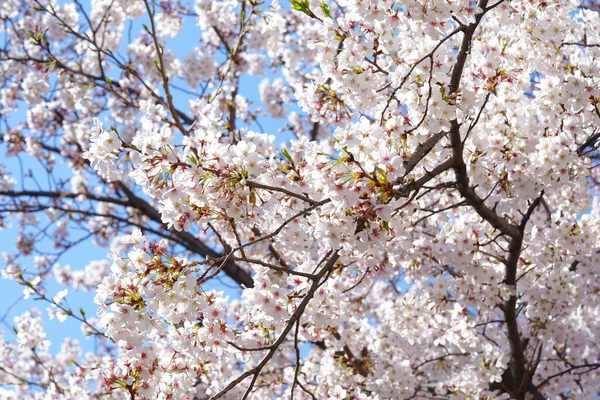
{"x":460,"y":168}
{"x":590,"y":141}
{"x":591,"y":367}
{"x":63,"y":195}
{"x":404,"y":191}
{"x":314,"y":132}
{"x":190,"y":242}
{"x":405,"y":77}
{"x":162,"y":70}
{"x":328,"y":267}
{"x":274,"y":267}
{"x":421,"y":151}
{"x":518,"y":381}
{"x":438,"y":359}
{"x":356,"y":363}
{"x":257,"y":185}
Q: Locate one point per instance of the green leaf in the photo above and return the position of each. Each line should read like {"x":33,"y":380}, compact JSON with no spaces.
{"x":325,"y":8}
{"x":287,"y":155}
{"x":385,"y":225}
{"x":302,"y":6}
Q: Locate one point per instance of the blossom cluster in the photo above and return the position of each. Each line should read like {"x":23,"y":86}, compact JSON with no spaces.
{"x":430,"y":229}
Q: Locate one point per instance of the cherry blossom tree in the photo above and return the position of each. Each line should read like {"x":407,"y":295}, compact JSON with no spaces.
{"x":422,"y":223}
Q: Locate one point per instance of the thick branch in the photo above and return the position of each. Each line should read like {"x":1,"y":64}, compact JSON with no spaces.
{"x":460,"y":169}
{"x":191,"y":243}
